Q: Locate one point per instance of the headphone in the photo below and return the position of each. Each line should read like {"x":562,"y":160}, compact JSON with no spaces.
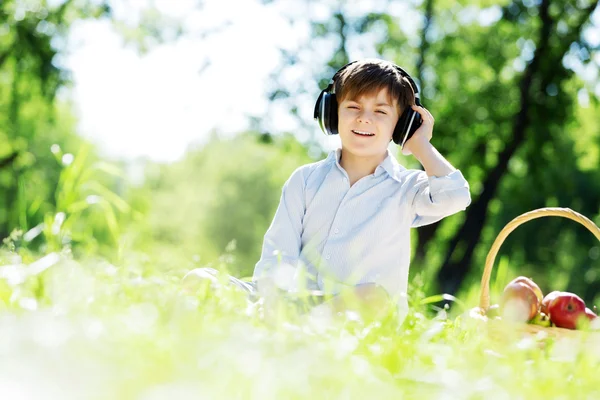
{"x":326,"y":110}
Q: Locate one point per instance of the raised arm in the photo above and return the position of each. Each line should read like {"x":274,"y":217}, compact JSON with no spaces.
{"x":442,"y":190}
{"x":432,"y":161}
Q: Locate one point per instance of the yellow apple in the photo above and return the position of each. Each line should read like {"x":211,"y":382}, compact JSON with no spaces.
{"x":519,"y":302}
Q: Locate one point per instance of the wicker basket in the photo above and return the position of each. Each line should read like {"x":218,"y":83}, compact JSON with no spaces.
{"x":501,"y":328}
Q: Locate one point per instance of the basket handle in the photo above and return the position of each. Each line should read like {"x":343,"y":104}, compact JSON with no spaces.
{"x":484,"y":297}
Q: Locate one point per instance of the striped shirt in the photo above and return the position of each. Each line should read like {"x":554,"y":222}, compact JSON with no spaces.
{"x":327,"y":235}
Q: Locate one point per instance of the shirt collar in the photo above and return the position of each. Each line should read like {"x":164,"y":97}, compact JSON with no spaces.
{"x":389,"y":164}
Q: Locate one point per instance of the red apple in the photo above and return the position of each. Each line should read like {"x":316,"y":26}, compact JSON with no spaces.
{"x":590,"y":314}
{"x":546,"y":301}
{"x":529,"y":282}
{"x":587,"y":320}
{"x":566,"y":309}
{"x":519,"y":302}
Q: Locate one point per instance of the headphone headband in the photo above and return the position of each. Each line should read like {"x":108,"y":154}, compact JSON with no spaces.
{"x":402,"y":72}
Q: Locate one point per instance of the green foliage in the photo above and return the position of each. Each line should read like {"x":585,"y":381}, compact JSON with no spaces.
{"x":85,"y":216}
{"x":87,"y":211}
{"x":124,"y":335}
{"x":478,"y":99}
{"x":31,"y":119}
{"x":221,"y":196}
{"x":54,"y":193}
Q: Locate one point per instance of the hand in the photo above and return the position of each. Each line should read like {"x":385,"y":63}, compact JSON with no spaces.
{"x":423,"y":134}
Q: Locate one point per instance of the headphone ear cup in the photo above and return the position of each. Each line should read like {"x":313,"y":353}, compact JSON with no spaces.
{"x":330,"y":109}
{"x":408,"y":123}
{"x":397,"y":136}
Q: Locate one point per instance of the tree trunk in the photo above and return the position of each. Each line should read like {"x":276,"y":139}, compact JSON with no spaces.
{"x":458,"y":258}
{"x":424,"y":43}
{"x":424,"y":233}
{"x":8,"y":160}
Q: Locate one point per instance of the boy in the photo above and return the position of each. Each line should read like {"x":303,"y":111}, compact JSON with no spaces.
{"x":342,"y":227}
{"x":343,"y":223}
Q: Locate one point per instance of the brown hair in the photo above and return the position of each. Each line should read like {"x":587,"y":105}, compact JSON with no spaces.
{"x":368,"y":77}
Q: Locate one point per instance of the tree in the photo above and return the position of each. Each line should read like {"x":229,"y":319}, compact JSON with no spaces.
{"x":537,"y":120}
{"x":32,"y":120}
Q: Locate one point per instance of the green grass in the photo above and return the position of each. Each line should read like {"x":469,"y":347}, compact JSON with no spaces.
{"x":92,"y":330}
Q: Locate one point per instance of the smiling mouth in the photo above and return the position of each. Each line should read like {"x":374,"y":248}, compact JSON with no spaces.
{"x":362,"y":133}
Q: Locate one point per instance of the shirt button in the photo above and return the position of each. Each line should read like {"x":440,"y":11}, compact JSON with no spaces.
{"x":328,"y":256}
{"x":336,"y":230}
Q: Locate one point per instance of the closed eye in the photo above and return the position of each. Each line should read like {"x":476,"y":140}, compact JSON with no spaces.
{"x":382,"y":112}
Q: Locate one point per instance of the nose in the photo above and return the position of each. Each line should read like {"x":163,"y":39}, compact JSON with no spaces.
{"x":364,"y":116}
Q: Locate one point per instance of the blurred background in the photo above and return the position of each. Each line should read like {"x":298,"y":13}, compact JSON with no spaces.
{"x":157,"y":134}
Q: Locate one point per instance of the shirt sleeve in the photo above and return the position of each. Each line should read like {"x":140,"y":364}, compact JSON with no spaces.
{"x":282,"y":241}
{"x":438,"y":197}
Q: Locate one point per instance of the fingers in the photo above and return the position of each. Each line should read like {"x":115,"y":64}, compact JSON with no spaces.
{"x":426,"y":128}
{"x":425,"y":114}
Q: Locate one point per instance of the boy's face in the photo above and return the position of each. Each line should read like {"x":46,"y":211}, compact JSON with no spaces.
{"x":366,"y":124}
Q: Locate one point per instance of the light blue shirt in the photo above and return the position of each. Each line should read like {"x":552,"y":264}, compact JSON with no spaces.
{"x":327,"y":235}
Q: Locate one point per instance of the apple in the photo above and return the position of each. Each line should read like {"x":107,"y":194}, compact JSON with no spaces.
{"x":590,"y":314}
{"x":587,"y":320}
{"x":519,"y":302}
{"x":565,"y":310}
{"x":546,"y":301}
{"x":529,"y":282}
